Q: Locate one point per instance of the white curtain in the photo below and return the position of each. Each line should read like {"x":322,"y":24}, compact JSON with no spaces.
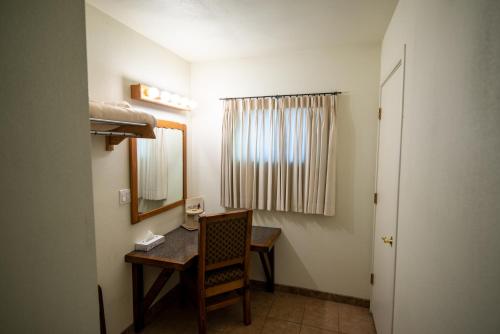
{"x":279,"y":154}
{"x":152,"y":166}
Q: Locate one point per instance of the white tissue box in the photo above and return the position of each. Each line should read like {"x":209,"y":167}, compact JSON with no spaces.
{"x":148,"y":244}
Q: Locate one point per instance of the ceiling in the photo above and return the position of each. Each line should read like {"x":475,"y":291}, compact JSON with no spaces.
{"x":202,"y":30}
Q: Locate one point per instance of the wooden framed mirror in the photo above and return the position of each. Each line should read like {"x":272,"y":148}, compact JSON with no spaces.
{"x":158,"y":171}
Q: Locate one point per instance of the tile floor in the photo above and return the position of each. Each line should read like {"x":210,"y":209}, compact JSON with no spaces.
{"x":271,"y":314}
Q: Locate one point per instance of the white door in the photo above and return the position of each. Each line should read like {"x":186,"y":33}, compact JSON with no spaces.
{"x":387,"y":195}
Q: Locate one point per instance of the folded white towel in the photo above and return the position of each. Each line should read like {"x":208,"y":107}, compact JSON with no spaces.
{"x":121,"y":104}
{"x":119,"y":111}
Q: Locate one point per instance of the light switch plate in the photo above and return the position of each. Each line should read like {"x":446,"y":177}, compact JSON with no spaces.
{"x":124,"y":196}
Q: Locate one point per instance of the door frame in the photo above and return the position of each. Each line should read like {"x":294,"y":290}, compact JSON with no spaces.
{"x":400,"y":63}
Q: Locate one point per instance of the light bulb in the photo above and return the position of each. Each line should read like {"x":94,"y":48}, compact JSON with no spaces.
{"x":165,"y":96}
{"x":175,"y":99}
{"x":184,"y":101}
{"x":152,"y":92}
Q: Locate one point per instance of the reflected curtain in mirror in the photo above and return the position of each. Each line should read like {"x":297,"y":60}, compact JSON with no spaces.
{"x":157,"y":171}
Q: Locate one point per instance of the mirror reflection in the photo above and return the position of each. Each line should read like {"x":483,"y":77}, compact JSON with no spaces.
{"x":160,"y":169}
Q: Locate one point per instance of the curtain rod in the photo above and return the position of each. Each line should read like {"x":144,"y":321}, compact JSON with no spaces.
{"x":264,"y":96}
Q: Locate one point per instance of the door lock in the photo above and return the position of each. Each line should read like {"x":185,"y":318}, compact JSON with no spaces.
{"x":387,"y":240}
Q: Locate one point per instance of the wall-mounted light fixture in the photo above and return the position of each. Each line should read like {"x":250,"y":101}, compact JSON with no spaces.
{"x":151,"y":94}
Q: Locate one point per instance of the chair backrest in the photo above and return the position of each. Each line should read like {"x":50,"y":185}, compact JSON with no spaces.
{"x":224,"y":241}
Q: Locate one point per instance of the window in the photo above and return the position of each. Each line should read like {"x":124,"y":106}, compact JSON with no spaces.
{"x":279,"y":154}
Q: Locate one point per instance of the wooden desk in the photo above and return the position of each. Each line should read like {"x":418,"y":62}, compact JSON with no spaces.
{"x":179,"y":252}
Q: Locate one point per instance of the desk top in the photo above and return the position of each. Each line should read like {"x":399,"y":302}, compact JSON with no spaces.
{"x":181,"y":248}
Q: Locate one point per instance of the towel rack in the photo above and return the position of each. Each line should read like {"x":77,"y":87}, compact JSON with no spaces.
{"x":111,"y":122}
{"x":115,"y":136}
{"x":115,"y":133}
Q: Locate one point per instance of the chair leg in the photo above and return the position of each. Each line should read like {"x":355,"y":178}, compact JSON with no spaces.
{"x":202,"y":316}
{"x":247,"y":318}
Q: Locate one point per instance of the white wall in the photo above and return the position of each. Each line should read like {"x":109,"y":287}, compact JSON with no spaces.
{"x":118,"y":57}
{"x":48,"y":261}
{"x":448,"y":252}
{"x":316,"y":252}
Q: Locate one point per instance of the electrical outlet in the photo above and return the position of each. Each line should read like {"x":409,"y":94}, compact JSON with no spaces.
{"x":124,"y":196}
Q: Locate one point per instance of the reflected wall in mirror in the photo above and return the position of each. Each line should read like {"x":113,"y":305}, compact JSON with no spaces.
{"x":158,"y":171}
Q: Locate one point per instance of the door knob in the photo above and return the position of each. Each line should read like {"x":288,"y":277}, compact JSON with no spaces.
{"x":387,"y":240}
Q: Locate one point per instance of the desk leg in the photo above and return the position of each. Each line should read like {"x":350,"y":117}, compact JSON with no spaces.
{"x":138,"y":296}
{"x":143,"y":303}
{"x":270,"y":283}
{"x":267,"y":260}
{"x":185,"y":282}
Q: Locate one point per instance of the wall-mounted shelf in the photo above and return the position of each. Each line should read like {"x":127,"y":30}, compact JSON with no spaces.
{"x":117,"y":131}
{"x":150,"y":94}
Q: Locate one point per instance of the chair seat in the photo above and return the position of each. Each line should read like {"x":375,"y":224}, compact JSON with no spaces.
{"x":223,"y":275}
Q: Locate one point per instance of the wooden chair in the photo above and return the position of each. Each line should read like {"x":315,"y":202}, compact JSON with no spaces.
{"x":223,"y":263}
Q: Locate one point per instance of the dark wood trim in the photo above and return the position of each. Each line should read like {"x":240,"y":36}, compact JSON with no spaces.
{"x":270,"y":283}
{"x":224,"y":303}
{"x":135,"y":215}
{"x":201,"y":292}
{"x":266,"y":246}
{"x":158,"y":307}
{"x":247,"y":318}
{"x":221,"y":288}
{"x":138,"y":295}
{"x":248,"y":249}
{"x":141,"y":258}
{"x":241,"y":213}
{"x":267,"y":260}
{"x":155,"y":289}
{"x":142,"y":216}
{"x":224,"y":263}
{"x":260,"y":285}
{"x":140,"y":131}
{"x":111,"y":141}
{"x":141,"y":303}
{"x":265,"y":266}
{"x":134,"y":201}
{"x":170,"y":125}
{"x":102,"y":318}
{"x":263,"y":247}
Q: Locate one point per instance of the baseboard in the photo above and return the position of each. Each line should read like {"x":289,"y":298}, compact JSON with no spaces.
{"x":314,"y":294}
{"x":259,"y":285}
